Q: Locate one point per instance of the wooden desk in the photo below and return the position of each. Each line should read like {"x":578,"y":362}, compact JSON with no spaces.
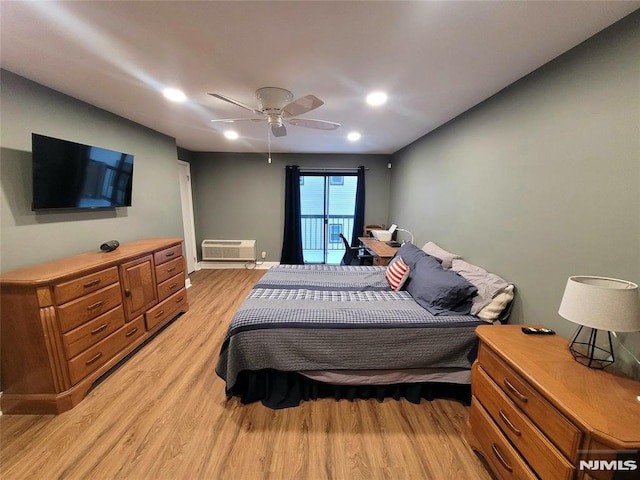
{"x":382,"y":253}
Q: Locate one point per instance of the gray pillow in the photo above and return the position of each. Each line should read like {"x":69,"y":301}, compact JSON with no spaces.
{"x":488,"y":284}
{"x":439,"y":291}
{"x":440,"y":253}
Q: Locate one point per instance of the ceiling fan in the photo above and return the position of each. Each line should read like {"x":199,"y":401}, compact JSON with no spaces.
{"x":277,"y":107}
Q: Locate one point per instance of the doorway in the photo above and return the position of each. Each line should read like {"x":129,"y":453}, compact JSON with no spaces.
{"x":188,"y":224}
{"x":327,"y":209}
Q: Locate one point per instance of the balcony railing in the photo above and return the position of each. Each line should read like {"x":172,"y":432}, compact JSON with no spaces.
{"x":314,"y":232}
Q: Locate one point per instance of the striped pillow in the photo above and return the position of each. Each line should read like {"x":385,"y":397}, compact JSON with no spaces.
{"x":397,"y":273}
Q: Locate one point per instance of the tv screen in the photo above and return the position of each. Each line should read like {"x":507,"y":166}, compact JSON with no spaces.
{"x":72,"y":175}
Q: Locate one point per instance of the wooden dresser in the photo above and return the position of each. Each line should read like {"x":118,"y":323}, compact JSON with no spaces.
{"x":537,"y":413}
{"x":66,"y":323}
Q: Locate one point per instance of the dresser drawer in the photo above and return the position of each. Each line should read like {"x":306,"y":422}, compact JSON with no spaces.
{"x":501,"y":456}
{"x":92,"y":332}
{"x":77,"y":312}
{"x":171,"y":286}
{"x":165,"y":309}
{"x":555,"y":425}
{"x":96,"y":356}
{"x":543,"y":457}
{"x":67,"y":291}
{"x":169,"y":269}
{"x":167,"y":254}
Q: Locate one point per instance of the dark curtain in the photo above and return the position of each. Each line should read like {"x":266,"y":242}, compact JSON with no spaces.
{"x":292,"y":243}
{"x":358,"y":221}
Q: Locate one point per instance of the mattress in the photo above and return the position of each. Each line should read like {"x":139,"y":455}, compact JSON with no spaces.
{"x":311,"y":318}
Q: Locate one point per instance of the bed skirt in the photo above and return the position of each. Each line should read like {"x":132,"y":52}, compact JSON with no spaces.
{"x":277,"y":389}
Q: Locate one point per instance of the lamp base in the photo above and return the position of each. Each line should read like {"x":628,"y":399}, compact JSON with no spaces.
{"x":588,"y":353}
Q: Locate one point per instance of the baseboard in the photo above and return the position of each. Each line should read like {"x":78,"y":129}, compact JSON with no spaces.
{"x":241,"y":265}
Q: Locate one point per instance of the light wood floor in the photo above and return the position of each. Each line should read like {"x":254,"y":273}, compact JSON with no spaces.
{"x":163,"y":415}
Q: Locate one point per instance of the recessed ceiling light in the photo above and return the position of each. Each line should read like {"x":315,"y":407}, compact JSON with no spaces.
{"x":174,"y":94}
{"x":353,"y":136}
{"x":376,"y":98}
{"x":231,"y":135}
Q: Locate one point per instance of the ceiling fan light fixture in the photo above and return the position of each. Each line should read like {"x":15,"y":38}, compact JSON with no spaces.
{"x":174,"y":95}
{"x":353,"y":136}
{"x":276,"y":107}
{"x":377,"y":98}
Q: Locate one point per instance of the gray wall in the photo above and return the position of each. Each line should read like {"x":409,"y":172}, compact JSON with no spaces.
{"x":540,"y":182}
{"x":28,"y":237}
{"x":241,"y":196}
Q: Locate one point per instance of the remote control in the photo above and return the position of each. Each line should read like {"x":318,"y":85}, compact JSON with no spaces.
{"x":537,"y":331}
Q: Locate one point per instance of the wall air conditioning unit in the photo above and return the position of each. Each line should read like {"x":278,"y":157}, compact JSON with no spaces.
{"x":229,"y":250}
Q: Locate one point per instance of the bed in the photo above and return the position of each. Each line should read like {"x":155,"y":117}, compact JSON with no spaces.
{"x":312,"y":331}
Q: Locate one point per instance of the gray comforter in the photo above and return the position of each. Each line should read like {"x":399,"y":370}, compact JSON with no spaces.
{"x":320,"y":317}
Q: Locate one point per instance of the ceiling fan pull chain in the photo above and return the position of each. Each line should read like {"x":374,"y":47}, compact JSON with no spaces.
{"x":269,"y":142}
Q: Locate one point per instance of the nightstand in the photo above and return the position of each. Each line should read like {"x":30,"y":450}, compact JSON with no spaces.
{"x":537,"y":413}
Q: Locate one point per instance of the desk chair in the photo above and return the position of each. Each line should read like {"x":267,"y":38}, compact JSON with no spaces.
{"x":354,"y":255}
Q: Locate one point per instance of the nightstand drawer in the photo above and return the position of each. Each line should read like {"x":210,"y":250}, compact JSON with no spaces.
{"x":555,"y":425}
{"x":501,"y":456}
{"x":543,"y":457}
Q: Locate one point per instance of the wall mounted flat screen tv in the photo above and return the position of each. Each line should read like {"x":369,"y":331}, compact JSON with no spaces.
{"x":68,"y":175}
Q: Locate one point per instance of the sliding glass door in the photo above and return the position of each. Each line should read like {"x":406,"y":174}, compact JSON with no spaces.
{"x":327,"y":207}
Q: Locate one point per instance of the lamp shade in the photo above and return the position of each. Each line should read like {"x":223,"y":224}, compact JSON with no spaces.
{"x":602,"y":303}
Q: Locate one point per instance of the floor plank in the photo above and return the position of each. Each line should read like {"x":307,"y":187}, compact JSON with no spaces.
{"x":163,"y":415}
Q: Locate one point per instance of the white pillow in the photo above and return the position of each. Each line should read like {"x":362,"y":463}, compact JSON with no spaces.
{"x":491,"y":312}
{"x":435,"y":251}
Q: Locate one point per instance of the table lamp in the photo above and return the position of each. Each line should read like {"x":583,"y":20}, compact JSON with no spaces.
{"x":599,"y":303}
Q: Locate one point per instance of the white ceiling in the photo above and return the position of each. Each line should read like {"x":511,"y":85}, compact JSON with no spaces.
{"x":435,"y":59}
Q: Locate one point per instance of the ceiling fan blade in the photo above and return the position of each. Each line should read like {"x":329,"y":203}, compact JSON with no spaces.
{"x":301,"y":105}
{"x":233,"y":120}
{"x":236,"y":102}
{"x":310,"y":123}
{"x":278,"y":131}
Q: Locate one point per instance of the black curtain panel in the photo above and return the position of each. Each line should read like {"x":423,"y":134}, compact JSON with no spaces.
{"x":292,"y":243}
{"x":358,"y":221}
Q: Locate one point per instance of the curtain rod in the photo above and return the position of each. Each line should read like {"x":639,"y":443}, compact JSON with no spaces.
{"x":320,"y":170}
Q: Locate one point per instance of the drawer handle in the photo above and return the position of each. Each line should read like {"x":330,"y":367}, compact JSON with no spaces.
{"x":500,"y":458}
{"x":92,"y":283}
{"x":172,"y":286}
{"x":99,"y":329}
{"x":179,"y":299}
{"x":96,"y":357}
{"x":95,"y":305}
{"x":133,"y":330}
{"x":169,"y":270}
{"x":515,"y":391}
{"x":509,"y":424}
{"x":171,"y":254}
{"x":159,"y":314}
